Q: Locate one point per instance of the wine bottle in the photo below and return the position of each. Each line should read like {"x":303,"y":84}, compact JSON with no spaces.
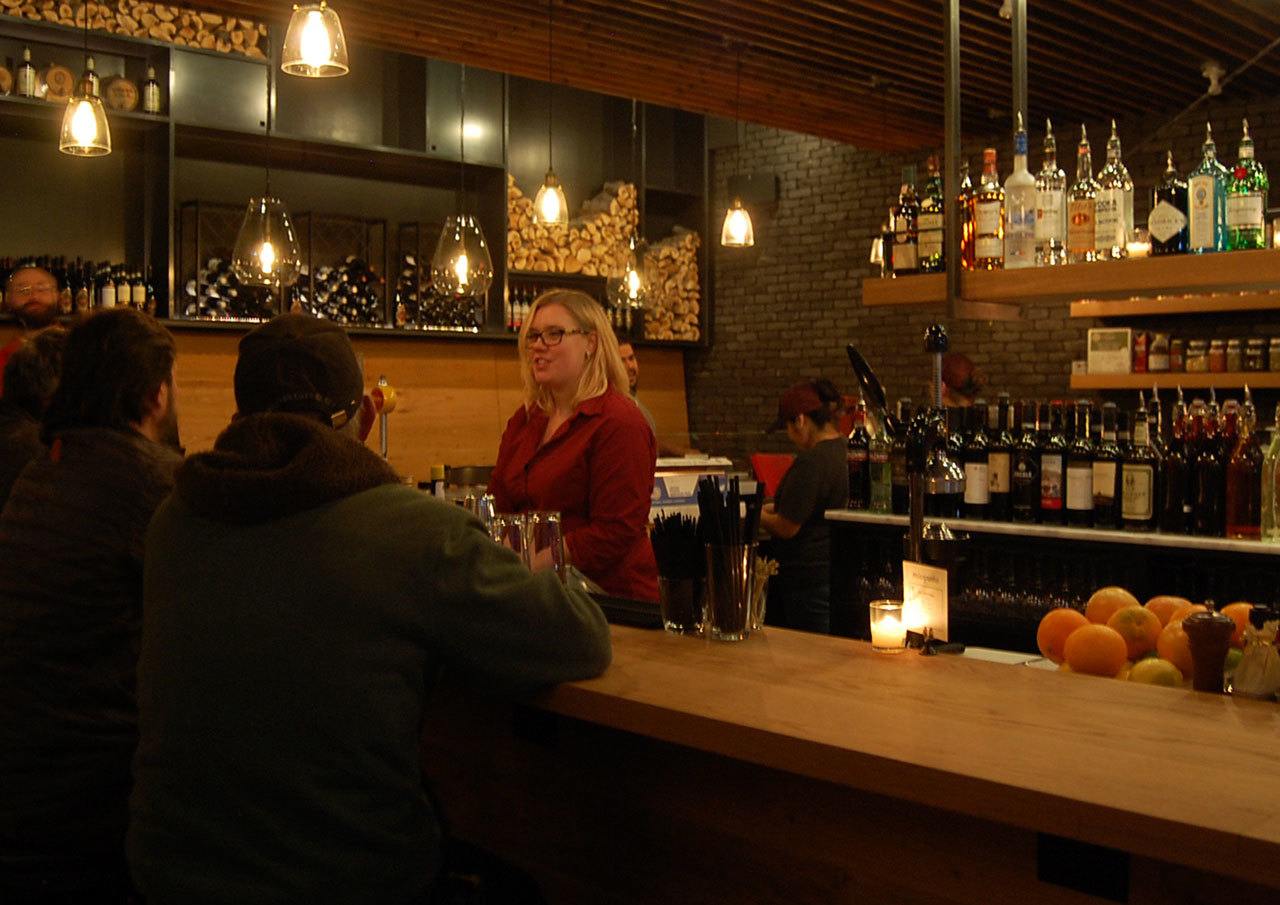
{"x":1079,"y":493}
{"x":1244,"y":477}
{"x":1053,"y":454}
{"x":999,"y":460}
{"x":977,"y":475}
{"x":858,"y":456}
{"x":1106,"y":473}
{"x":1025,"y":470}
{"x":1138,"y":480}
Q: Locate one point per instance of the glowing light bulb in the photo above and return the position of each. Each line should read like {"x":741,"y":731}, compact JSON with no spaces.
{"x":737,"y":231}
{"x":84,"y":126}
{"x":633,"y":283}
{"x":267,"y":256}
{"x":738,"y":225}
{"x":316,"y":49}
{"x":550,"y":207}
{"x":460,"y":267}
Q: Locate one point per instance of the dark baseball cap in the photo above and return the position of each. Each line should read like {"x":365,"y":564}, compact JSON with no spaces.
{"x":800,"y":399}
{"x":301,"y":364}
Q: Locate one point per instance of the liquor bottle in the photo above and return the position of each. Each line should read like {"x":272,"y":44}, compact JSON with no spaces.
{"x":1106,"y":473}
{"x":901,"y":497}
{"x":1244,"y":477}
{"x":1167,"y":224}
{"x":955,"y":434}
{"x":886,"y":245}
{"x":107,"y":292}
{"x":1053,"y":462}
{"x":931,"y":224}
{"x":1175,"y":474}
{"x":977,"y":473}
{"x":859,"y":451}
{"x":1082,"y":207}
{"x":1138,"y":479}
{"x":1051,"y":205}
{"x":1123,"y":437}
{"x":1207,"y":508}
{"x":1270,"y":490}
{"x":988,"y":216}
{"x":1115,"y":204}
{"x":1207,"y":200}
{"x":879,"y":473}
{"x":906,"y":216}
{"x":137,"y":292}
{"x":999,"y":456}
{"x":151,"y":93}
{"x":1079,"y":492}
{"x":1024,"y":479}
{"x":964,"y":203}
{"x":1247,"y":199}
{"x":82,"y":302}
{"x":1228,"y":429}
{"x":25,"y":80}
{"x":1020,"y":207}
{"x":1155,"y":423}
{"x":89,"y":78}
{"x":151,"y":300}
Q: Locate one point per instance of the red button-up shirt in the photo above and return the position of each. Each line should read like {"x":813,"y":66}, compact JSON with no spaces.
{"x":597,"y":472}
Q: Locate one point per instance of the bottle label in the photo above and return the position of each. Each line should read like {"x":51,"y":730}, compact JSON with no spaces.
{"x":1080,"y":487}
{"x":1051,"y":481}
{"x":987,"y":218}
{"x":151,"y":98}
{"x":998,"y":472}
{"x":1049,"y":216}
{"x":1136,"y":497}
{"x":1080,"y":226}
{"x":930,"y":244}
{"x":857,"y":457}
{"x":1109,"y":219}
{"x":26,"y":81}
{"x":1104,"y":483}
{"x":1201,"y":192}
{"x":977,"y":490}
{"x":929,"y":221}
{"x":1244,"y":211}
{"x":898,"y":466}
{"x":904,"y":256}
{"x":1165,"y":222}
{"x":989,"y":247}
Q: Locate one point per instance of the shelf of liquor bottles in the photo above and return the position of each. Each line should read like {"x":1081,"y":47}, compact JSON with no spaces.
{"x":1068,"y":533}
{"x":1238,"y":270}
{"x":1257,"y":380}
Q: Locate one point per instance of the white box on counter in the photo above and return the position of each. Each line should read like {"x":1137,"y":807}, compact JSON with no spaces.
{"x":1110,"y":350}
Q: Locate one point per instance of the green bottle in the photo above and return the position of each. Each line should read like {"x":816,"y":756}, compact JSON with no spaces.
{"x":1207,"y":200}
{"x":1247,"y":199}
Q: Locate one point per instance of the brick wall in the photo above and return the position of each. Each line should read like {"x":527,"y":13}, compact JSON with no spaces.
{"x":785,"y":308}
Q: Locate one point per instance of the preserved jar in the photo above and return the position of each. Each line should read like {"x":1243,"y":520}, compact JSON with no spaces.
{"x":1218,"y":356}
{"x":1198,"y":356}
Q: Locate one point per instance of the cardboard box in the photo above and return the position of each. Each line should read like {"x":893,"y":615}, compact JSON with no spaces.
{"x":1110,"y":350}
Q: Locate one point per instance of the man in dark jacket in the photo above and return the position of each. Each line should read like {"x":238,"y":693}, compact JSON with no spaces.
{"x":30,"y":377}
{"x":300,"y":601}
{"x":71,"y":612}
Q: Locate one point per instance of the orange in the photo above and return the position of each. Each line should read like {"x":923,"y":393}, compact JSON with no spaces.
{"x":1139,"y":627}
{"x":1054,"y":628}
{"x":1239,"y":613}
{"x":1183,"y":612}
{"x":1165,"y":606}
{"x":1174,"y":646}
{"x":1097,"y":650}
{"x":1106,"y":601}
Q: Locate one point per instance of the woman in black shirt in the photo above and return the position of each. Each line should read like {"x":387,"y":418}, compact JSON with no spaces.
{"x":818,"y":480}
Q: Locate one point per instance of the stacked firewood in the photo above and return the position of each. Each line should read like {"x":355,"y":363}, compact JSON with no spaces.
{"x":157,"y":21}
{"x":594,"y":243}
{"x":675,"y":294}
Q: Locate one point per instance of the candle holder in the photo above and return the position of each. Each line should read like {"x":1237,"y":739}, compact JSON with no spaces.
{"x":888,"y":632}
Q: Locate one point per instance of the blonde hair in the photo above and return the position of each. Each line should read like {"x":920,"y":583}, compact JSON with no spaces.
{"x":603,"y":368}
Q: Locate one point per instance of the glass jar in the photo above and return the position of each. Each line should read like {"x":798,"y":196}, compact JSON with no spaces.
{"x":1177,"y":355}
{"x":1198,"y":356}
{"x":1218,"y":356}
{"x":1275,"y":353}
{"x":1255,"y":354}
{"x":1235,"y":355}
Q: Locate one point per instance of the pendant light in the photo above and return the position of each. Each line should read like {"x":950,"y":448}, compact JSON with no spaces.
{"x":314,"y":45}
{"x":85,"y":132}
{"x":461,"y":265}
{"x":738,"y":232}
{"x":632,"y":288}
{"x":550,"y":205}
{"x":266,"y":251}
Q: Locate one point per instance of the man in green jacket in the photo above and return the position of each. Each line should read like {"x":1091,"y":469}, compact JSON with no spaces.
{"x":299,"y":604}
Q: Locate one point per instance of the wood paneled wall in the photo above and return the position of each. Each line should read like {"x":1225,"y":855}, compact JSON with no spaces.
{"x":454,"y":398}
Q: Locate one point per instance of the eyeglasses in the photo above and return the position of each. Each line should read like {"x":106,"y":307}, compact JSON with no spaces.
{"x":552,"y":336}
{"x":22,"y":292}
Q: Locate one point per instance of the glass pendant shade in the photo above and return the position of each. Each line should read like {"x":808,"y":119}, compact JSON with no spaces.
{"x":737,"y":231}
{"x":314,"y":45}
{"x":85,"y":132}
{"x":632,"y":288}
{"x":461,"y":265}
{"x":550,"y":204}
{"x":266,"y":252}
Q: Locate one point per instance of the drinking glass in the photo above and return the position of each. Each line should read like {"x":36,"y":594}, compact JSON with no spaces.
{"x":512,"y":531}
{"x":546,"y":533}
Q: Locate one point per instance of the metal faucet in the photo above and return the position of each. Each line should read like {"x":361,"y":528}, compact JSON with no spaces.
{"x":931,"y":472}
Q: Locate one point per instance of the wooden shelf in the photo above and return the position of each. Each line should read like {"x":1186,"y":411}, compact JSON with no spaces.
{"x":1209,"y":303}
{"x":1170,"y":379}
{"x":1237,"y":269}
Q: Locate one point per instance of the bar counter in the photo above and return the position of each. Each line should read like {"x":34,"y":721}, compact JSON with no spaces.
{"x":795,"y":767}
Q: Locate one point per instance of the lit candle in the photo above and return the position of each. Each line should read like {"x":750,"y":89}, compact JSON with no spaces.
{"x":888,"y":632}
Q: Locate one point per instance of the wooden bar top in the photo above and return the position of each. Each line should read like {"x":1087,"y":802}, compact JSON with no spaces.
{"x":1183,"y":777}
